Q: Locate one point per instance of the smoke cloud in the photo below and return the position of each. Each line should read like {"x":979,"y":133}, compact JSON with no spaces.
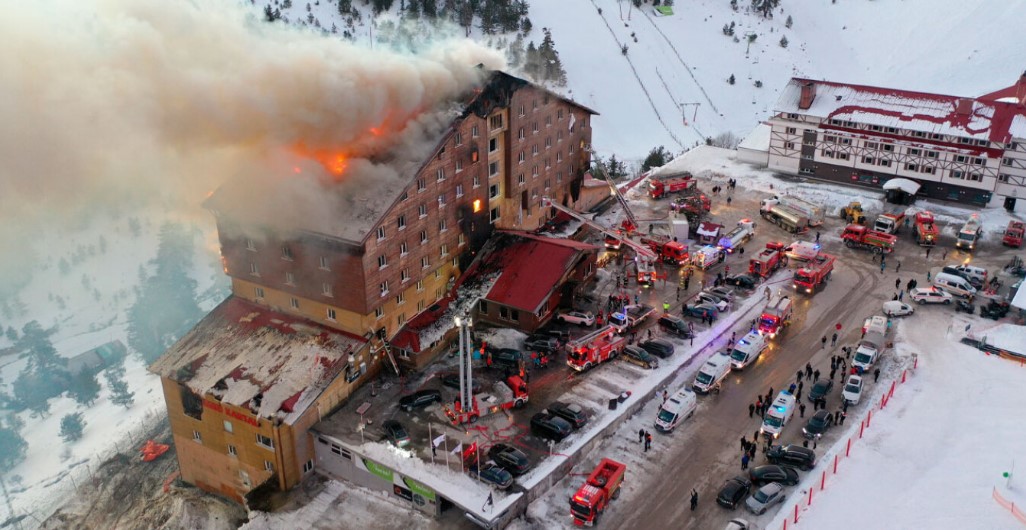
{"x":131,"y":103}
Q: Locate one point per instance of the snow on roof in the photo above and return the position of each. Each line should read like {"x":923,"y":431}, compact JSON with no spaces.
{"x":1020,"y":298}
{"x":905,"y":109}
{"x":908,"y":186}
{"x":532,"y":267}
{"x":248,"y":356}
{"x":1011,"y":337}
{"x":758,"y":139}
{"x":708,"y":229}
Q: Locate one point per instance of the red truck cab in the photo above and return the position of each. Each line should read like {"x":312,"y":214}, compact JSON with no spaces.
{"x":603,"y":485}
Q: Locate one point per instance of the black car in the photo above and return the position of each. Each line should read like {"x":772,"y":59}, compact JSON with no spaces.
{"x":744,"y":281}
{"x":541,"y":343}
{"x":640,"y":357}
{"x":994,"y":310}
{"x":396,"y":433}
{"x":659,"y":348}
{"x":816,"y":425}
{"x":510,"y":458}
{"x":820,"y":389}
{"x":785,"y":475}
{"x":733,"y":492}
{"x":571,"y":412}
{"x":506,"y":358}
{"x":675,"y":325}
{"x":793,"y":455}
{"x":550,"y":427}
{"x":420,"y":399}
{"x":452,"y":380}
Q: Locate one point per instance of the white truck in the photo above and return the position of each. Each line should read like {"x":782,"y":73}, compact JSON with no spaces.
{"x":747,"y":350}
{"x":779,"y":413}
{"x":869,"y":350}
{"x":802,"y":250}
{"x":738,"y":236}
{"x":706,"y":257}
{"x":676,"y":409}
{"x":712,"y":374}
{"x":631,"y":317}
{"x":813,"y":212}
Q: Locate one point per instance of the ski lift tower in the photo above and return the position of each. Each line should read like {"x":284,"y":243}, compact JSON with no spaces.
{"x":683,"y":112}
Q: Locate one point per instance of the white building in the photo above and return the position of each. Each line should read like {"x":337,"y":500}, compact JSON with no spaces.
{"x":970,"y":150}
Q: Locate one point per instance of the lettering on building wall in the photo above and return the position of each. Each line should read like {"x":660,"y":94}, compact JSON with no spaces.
{"x":217,"y":407}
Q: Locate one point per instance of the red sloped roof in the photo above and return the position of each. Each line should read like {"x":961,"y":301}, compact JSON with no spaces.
{"x":532,"y":268}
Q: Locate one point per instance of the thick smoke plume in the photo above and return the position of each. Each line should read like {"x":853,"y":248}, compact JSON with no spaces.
{"x":126,"y":103}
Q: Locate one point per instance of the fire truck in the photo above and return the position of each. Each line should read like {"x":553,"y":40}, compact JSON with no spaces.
{"x":925,"y":230}
{"x":668,"y":250}
{"x":738,"y":236}
{"x":644,"y":259}
{"x":814,"y":274}
{"x":593,"y":497}
{"x":786,"y":217}
{"x":889,"y":223}
{"x":860,"y":237}
{"x":595,"y":348}
{"x":769,"y":260}
{"x":970,"y":233}
{"x":508,"y":394}
{"x":659,"y":187}
{"x":1013,"y":234}
{"x":776,"y":316}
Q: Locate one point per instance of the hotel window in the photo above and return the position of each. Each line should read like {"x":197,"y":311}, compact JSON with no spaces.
{"x":891,"y":130}
{"x":462,"y":240}
{"x":559,"y":114}
{"x":404,"y":196}
{"x":522,"y":110}
{"x":286,"y":253}
{"x":494,"y":214}
{"x":197,"y":437}
{"x":888,"y":148}
{"x":404,"y":275}
{"x":228,"y":426}
{"x":936,"y":136}
{"x":459,"y":190}
{"x":872,"y":145}
{"x":294,"y":302}
{"x":493,"y":191}
{"x":885,"y":163}
{"x":534,"y":127}
{"x":421,"y":185}
{"x":961,"y":159}
{"x":914,"y":152}
{"x":232,"y":451}
{"x":423,"y":237}
{"x":422,"y":211}
{"x":520,"y":179}
{"x":966,"y":141}
{"x":495,"y":122}
{"x":867,"y":160}
{"x":842,"y":156}
{"x":473,"y":132}
{"x":400,"y":222}
{"x":931,"y":154}
{"x":420,"y":305}
{"x":441,"y":200}
{"x":440,"y":174}
{"x":534,"y":104}
{"x":911,"y":167}
{"x":520,"y":133}
{"x":459,"y":166}
{"x":443,"y":225}
{"x":477,"y":181}
{"x":400,"y":299}
{"x":404,"y":249}
{"x":250,"y":245}
{"x":401,"y":319}
{"x":327,"y":290}
{"x":559,"y":157}
{"x":324,"y":263}
{"x":381,"y":233}
{"x":559,"y":176}
{"x":268,"y":466}
{"x":425,"y":262}
{"x":788,"y":145}
{"x":534,"y":150}
{"x":382,"y":261}
{"x":982,"y":143}
{"x":975,"y":177}
{"x":927,"y":169}
{"x":534,"y":170}
{"x":308,"y":466}
{"x":979,"y":162}
{"x":957,"y":174}
{"x":253,"y":269}
{"x":420,"y":285}
{"x":264,"y":441}
{"x":875,"y":128}
{"x":383,"y":288}
{"x":493,"y":169}
{"x":379,"y":312}
{"x":792,"y":130}
{"x":548,"y":121}
{"x":559,"y":136}
{"x":919,"y":134}
{"x":444,"y":250}
{"x":1002,"y":178}
{"x":259,"y":291}
{"x":521,"y":157}
{"x":1006,"y":161}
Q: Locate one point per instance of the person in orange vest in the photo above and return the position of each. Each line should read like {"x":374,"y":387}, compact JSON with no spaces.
{"x":598,"y":319}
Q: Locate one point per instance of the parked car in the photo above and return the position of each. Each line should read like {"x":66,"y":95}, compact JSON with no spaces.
{"x":792,"y":455}
{"x":995,"y":309}
{"x":581,"y":318}
{"x":658,"y":347}
{"x":744,"y":281}
{"x":550,"y":427}
{"x":852,"y":392}
{"x":675,"y":325}
{"x":724,"y":292}
{"x":636,"y":355}
{"x":738,"y":524}
{"x":700,"y":310}
{"x":506,"y":358}
{"x":929,"y":295}
{"x":820,"y":389}
{"x":420,"y":399}
{"x":395,"y":433}
{"x":764,"y":498}
{"x":765,"y":474}
{"x":733,"y":492}
{"x":706,"y":297}
{"x":571,"y":412}
{"x":541,"y":343}
{"x":452,"y":380}
{"x":817,"y":424}
{"x":492,"y":473}
{"x":894,"y":308}
{"x":510,"y":458}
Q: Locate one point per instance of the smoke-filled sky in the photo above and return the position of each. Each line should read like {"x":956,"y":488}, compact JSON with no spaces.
{"x":139,"y":102}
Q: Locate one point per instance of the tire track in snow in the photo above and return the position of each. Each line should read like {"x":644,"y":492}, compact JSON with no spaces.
{"x":670,"y":93}
{"x":638,"y":77}
{"x":681,"y":59}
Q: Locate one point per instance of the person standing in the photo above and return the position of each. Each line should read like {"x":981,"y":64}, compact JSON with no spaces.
{"x":751,"y":410}
{"x":694,"y":499}
{"x":758,"y":406}
{"x":883,"y":266}
{"x":833,"y":340}
{"x":822,"y":342}
{"x":876,"y":375}
{"x":815,"y":375}
{"x":648,"y":441}
{"x":801,"y":410}
{"x":927,"y":252}
{"x":897,"y":268}
{"x":641,"y":436}
{"x":744,"y":443}
{"x":744,"y":461}
{"x":843,"y":416}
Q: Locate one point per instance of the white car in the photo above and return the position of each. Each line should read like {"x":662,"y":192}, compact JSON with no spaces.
{"x":739,"y":524}
{"x":580,"y":318}
{"x":930,"y":295}
{"x":894,"y":308}
{"x":721,"y":304}
{"x":852,"y":391}
{"x":765,"y":497}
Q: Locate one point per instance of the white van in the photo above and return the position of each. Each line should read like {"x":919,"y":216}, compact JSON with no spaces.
{"x":778,"y":415}
{"x":712,"y":373}
{"x":955,"y":285}
{"x":876,"y":323}
{"x":747,"y":350}
{"x":677,"y":408}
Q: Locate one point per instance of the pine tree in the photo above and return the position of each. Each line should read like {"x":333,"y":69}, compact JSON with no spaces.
{"x":346,"y":6}
{"x":12,"y":445}
{"x":657,"y":157}
{"x":430,"y":9}
{"x":731,"y":79}
{"x":84,"y":388}
{"x":269,"y":17}
{"x":119,"y":393}
{"x":72,"y":426}
{"x":783,"y":42}
{"x":789,"y":21}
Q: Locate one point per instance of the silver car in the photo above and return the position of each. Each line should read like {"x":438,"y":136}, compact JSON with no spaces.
{"x":764,"y":498}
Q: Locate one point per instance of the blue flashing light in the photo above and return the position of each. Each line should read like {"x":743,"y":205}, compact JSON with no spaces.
{"x":780,"y":409}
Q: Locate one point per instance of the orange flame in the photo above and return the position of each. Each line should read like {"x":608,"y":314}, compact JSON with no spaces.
{"x":335,"y":162}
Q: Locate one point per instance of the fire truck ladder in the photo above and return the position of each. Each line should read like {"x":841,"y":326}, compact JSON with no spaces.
{"x":382,"y":344}
{"x":643,"y":251}
{"x":623,"y":202}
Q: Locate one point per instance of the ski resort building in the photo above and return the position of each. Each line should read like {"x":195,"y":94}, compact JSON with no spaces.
{"x":964,"y":149}
{"x":314,"y":308}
